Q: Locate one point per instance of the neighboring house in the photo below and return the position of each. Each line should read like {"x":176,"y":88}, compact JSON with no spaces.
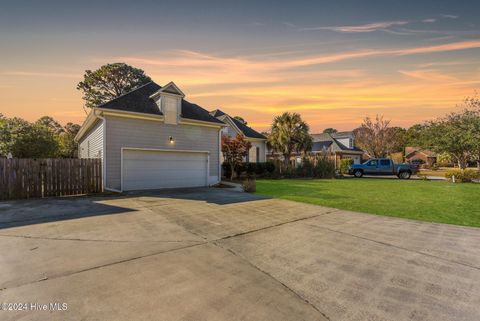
{"x":337,"y":146}
{"x":420,"y":156}
{"x":153,"y":138}
{"x":257,"y":153}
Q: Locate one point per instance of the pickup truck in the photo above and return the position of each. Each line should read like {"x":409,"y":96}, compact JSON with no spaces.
{"x":382,"y":166}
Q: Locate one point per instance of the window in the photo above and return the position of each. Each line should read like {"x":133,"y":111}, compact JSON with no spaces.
{"x":257,"y":154}
{"x":372,"y":163}
{"x":385,"y":162}
{"x":170,"y":110}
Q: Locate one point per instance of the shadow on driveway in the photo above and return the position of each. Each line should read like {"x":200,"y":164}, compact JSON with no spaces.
{"x":37,"y":211}
{"x":218,"y":196}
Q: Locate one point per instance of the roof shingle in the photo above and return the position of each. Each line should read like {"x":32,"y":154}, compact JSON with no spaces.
{"x":247,"y":131}
{"x":139,"y":101}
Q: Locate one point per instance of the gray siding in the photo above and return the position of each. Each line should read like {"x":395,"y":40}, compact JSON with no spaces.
{"x":91,"y":146}
{"x":139,"y":133}
{"x":231,"y":131}
{"x":253,"y":152}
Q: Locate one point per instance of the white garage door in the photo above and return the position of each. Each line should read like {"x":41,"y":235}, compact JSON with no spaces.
{"x":143,"y":169}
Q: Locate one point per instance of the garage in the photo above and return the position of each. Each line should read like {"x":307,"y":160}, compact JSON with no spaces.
{"x":155,"y":169}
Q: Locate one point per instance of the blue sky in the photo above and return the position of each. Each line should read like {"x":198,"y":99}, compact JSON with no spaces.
{"x":332,"y":61}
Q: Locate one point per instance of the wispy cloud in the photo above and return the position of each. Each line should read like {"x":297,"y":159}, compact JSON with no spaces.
{"x":370,"y":27}
{"x":39,"y":74}
{"x":447,"y":63}
{"x":385,"y":52}
{"x":386,"y":26}
{"x":242,"y":83}
{"x":198,"y":63}
{"x":290,"y":25}
{"x":449,"y":16}
{"x":428,"y":75}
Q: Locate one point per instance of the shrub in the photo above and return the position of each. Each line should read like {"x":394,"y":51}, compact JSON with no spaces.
{"x":321,"y":168}
{"x":260,"y":169}
{"x":226,"y":170}
{"x":239,"y":169}
{"x":345,"y":165}
{"x":249,"y":185}
{"x":464,"y":176}
{"x":269,"y":167}
{"x":250,"y":169}
{"x":444,"y":160}
{"x":324,"y":169}
{"x":305,"y":169}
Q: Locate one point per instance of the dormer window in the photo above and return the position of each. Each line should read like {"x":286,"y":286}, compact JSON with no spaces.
{"x":169,"y":108}
{"x":169,"y":101}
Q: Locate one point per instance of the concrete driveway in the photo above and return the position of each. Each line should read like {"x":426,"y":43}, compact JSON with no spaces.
{"x":216,"y":254}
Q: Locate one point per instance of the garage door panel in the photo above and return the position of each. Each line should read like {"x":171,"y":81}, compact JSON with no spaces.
{"x":163,"y":169}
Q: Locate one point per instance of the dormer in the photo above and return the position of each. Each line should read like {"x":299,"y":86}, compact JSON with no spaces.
{"x":345,"y":138}
{"x":169,"y":101}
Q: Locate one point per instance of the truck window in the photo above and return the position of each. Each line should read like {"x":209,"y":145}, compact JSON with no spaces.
{"x":372,"y":163}
{"x":385,"y":162}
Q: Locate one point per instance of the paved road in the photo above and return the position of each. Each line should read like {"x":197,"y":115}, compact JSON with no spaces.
{"x":214,"y":254}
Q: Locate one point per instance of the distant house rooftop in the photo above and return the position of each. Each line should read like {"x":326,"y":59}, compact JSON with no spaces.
{"x":247,"y":131}
{"x":337,"y":142}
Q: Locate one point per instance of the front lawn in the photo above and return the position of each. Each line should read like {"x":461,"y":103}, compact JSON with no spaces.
{"x":432,"y":201}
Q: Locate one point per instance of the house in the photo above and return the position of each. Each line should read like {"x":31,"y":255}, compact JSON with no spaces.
{"x":336,"y":146}
{"x":258,"y":151}
{"x":153,"y":138}
{"x":416,"y":155}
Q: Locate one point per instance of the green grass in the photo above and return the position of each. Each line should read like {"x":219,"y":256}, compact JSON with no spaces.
{"x":431,"y":201}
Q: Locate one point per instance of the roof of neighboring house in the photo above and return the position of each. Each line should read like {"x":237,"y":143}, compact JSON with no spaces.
{"x":139,"y":101}
{"x":425,"y":152}
{"x":342,"y":134}
{"x":330,"y":140}
{"x":318,"y":146}
{"x":247,"y":131}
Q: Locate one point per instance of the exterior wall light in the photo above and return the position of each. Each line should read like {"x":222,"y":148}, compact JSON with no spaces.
{"x":171,"y":140}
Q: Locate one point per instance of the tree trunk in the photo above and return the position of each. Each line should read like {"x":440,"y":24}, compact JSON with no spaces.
{"x":286,"y":160}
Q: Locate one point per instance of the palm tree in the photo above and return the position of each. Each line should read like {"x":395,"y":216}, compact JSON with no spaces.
{"x":289,"y":134}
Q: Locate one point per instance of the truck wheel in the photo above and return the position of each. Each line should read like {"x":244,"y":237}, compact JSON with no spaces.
{"x":404,"y":175}
{"x":358,"y":173}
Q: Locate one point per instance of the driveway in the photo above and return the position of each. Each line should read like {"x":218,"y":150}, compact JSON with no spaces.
{"x":216,"y":254}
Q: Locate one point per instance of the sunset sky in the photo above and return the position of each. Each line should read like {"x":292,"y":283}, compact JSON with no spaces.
{"x":334,"y":62}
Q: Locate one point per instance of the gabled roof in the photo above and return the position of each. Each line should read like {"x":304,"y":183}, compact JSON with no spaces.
{"x":139,"y":101}
{"x":328,"y":140}
{"x":319,"y":146}
{"x":217,"y":113}
{"x":425,"y":152}
{"x":170,"y":88}
{"x":247,"y":131}
{"x":342,"y":134}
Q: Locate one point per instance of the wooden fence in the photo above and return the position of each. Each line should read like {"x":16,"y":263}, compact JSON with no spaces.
{"x":36,"y":178}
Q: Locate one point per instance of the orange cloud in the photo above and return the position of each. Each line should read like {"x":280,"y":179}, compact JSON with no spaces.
{"x":427,"y":75}
{"x":185,"y":58}
{"x":259,"y":87}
